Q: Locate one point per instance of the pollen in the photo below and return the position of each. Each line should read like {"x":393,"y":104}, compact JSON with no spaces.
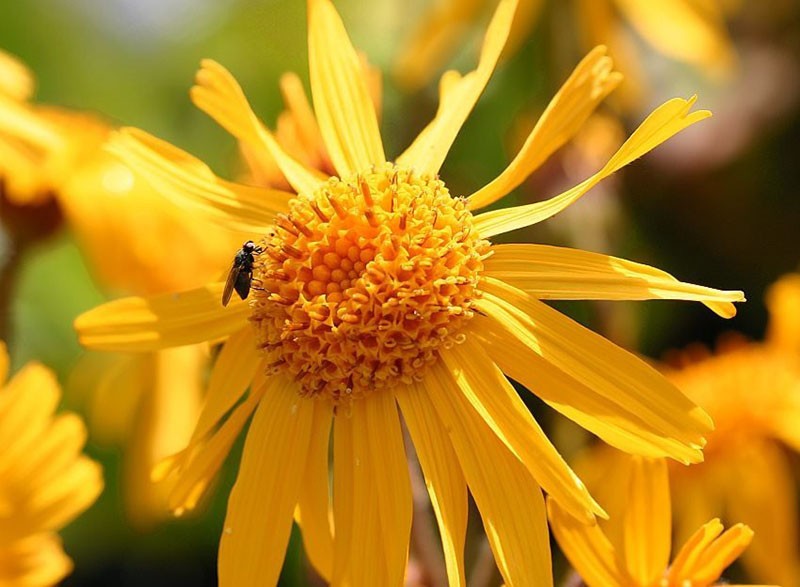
{"x":364,"y":280}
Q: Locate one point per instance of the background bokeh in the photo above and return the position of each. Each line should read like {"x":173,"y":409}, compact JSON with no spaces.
{"x":718,"y":205}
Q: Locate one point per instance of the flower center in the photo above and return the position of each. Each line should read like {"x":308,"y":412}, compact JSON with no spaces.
{"x":362,"y":282}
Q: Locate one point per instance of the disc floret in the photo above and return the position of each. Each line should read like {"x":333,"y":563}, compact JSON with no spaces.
{"x":363,"y":280}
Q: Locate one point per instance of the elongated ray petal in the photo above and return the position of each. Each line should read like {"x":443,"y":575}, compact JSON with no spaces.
{"x":689,"y":553}
{"x":665,"y":121}
{"x":358,"y":547}
{"x":21,"y":122}
{"x":443,"y":478}
{"x":388,"y":473}
{"x":493,"y":397}
{"x":648,"y":521}
{"x":56,"y":504}
{"x":649,"y":402}
{"x":587,"y":549}
{"x":147,"y":324}
{"x":199,"y":463}
{"x":233,"y":371}
{"x":313,"y":512}
{"x":427,"y":153}
{"x":721,"y":553}
{"x":218,"y":94}
{"x":24,"y":415}
{"x":261,"y":503}
{"x":516,"y":351}
{"x":341,"y":97}
{"x":188,"y":181}
{"x":509,"y":500}
{"x":560,"y":273}
{"x":592,"y":80}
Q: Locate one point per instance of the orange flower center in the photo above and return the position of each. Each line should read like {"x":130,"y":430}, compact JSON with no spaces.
{"x":362,"y":282}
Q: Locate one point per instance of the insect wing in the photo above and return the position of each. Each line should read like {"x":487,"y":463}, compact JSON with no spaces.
{"x":231,"y":281}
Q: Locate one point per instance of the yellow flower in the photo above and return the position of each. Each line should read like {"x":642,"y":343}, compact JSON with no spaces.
{"x":752,"y":390}
{"x":700,"y":26}
{"x":632,"y":549}
{"x":45,"y":481}
{"x":135,"y":241}
{"x":376,"y":288}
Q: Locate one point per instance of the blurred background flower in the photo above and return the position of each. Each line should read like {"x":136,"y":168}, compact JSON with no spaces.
{"x":634,"y":547}
{"x":45,"y":480}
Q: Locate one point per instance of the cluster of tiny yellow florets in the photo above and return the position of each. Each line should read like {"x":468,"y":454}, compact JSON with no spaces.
{"x":360,"y":284}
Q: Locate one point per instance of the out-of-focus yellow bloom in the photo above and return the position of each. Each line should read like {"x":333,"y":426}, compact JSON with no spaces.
{"x":377,"y":292}
{"x":441,"y":31}
{"x":692,"y":31}
{"x":632,"y":548}
{"x":136,"y":242}
{"x":752,"y":391}
{"x":45,"y":481}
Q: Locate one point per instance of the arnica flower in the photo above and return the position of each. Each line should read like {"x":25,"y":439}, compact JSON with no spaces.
{"x":45,"y":481}
{"x":136,"y":242}
{"x":705,"y":43}
{"x":377,"y":288}
{"x":752,"y":390}
{"x":632,"y":548}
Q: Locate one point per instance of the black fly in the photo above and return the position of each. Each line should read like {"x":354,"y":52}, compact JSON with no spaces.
{"x":241,"y":273}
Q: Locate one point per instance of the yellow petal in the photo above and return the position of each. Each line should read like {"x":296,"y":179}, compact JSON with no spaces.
{"x":218,"y":94}
{"x":53,"y":451}
{"x":427,"y":153}
{"x":146,"y":324}
{"x":56,"y":504}
{"x":358,"y":548}
{"x":762,"y":493}
{"x":437,"y":33}
{"x":16,"y":80}
{"x":3,"y":361}
{"x":188,"y":181}
{"x":649,"y":403}
{"x":166,"y":415}
{"x":592,"y":80}
{"x":259,"y":518}
{"x":23,"y":123}
{"x":690,"y":552}
{"x":199,"y":463}
{"x":648,"y":522}
{"x":491,"y":395}
{"x":699,"y":25}
{"x":507,"y":496}
{"x":443,"y":477}
{"x":26,"y":406}
{"x":516,"y":351}
{"x":341,"y":97}
{"x":234,"y":369}
{"x":35,"y":561}
{"x":587,"y":549}
{"x":108,"y":387}
{"x":783,"y":303}
{"x":561,"y":273}
{"x":313,"y":512}
{"x":377,"y":429}
{"x":665,"y":121}
{"x":721,"y":553}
